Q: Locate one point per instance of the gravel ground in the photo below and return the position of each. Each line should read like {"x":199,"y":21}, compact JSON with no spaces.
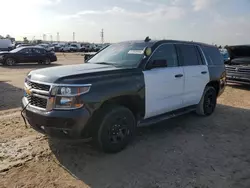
{"x":188,"y":151}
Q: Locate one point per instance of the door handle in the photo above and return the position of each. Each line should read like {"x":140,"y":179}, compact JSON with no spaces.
{"x":178,"y":75}
{"x":204,"y":72}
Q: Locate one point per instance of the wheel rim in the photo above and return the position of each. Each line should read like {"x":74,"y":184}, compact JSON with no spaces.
{"x":47,"y":61}
{"x":209,"y":102}
{"x":10,"y":61}
{"x":119,"y":130}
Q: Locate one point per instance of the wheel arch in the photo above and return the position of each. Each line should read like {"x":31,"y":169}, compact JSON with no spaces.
{"x":133,"y":102}
{"x":215,"y":84}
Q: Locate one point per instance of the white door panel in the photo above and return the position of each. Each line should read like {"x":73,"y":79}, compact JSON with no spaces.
{"x":196,"y":78}
{"x":163,"y":91}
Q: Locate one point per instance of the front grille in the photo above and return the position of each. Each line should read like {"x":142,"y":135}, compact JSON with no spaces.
{"x":238,"y":69}
{"x":37,"y":101}
{"x":38,"y":86}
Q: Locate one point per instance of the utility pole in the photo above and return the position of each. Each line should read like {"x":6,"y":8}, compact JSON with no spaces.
{"x":73,"y":36}
{"x":51,"y":38}
{"x":58,"y":37}
{"x":102,"y":36}
{"x":44,"y":37}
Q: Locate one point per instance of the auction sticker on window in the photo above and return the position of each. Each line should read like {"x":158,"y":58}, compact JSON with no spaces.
{"x":135,"y":52}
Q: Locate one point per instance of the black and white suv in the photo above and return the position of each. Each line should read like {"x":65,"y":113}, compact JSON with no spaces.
{"x":123,"y":86}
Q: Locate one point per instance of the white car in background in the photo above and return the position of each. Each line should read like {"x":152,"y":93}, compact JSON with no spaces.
{"x":70,"y":48}
{"x":47,"y":47}
{"x":6,"y":45}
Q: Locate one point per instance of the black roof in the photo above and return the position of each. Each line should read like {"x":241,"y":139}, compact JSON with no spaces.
{"x":23,"y":47}
{"x":168,"y":41}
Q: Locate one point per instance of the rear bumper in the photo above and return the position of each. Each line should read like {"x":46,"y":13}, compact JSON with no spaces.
{"x":53,"y":59}
{"x":238,"y":78}
{"x":58,"y":124}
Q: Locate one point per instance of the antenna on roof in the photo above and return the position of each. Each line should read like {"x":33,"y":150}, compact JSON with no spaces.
{"x":147,"y":39}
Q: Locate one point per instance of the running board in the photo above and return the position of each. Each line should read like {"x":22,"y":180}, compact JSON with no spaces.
{"x":159,"y":118}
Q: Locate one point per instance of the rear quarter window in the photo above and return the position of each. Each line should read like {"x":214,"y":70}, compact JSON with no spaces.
{"x":213,"y":55}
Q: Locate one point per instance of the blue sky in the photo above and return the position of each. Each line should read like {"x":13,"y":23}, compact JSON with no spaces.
{"x":211,"y":21}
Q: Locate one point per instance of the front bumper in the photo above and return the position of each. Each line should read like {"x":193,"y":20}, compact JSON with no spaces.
{"x":71,"y":124}
{"x":239,"y":78}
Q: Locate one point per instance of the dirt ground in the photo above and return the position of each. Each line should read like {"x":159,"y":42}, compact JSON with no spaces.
{"x":188,"y":151}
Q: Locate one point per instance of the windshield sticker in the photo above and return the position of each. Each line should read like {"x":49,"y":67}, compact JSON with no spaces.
{"x":135,"y":52}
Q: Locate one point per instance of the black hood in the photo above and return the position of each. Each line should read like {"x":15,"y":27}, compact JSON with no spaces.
{"x":53,"y":74}
{"x":241,"y":61}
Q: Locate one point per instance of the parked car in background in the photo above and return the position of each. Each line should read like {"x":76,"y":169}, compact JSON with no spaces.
{"x":30,"y":54}
{"x":70,"y":48}
{"x":128,"y":84}
{"x":22,"y":45}
{"x":47,"y":47}
{"x":238,"y":68}
{"x":6,"y":45}
{"x":75,"y":47}
{"x":58,"y":47}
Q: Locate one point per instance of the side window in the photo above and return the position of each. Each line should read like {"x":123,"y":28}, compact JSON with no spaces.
{"x":188,"y":55}
{"x":166,"y":52}
{"x":200,"y":56}
{"x":40,"y":51}
{"x":26,"y":50}
{"x":213,"y":55}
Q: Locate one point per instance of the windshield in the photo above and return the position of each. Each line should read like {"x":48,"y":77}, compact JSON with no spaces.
{"x":121,"y":54}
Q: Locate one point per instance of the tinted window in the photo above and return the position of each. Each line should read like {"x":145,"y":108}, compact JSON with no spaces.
{"x":37,"y":50}
{"x":26,"y":50}
{"x":188,"y":55}
{"x":166,"y":52}
{"x":213,"y":55}
{"x":199,"y":56}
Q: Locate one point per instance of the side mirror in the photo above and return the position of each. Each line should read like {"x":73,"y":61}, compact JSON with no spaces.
{"x":147,"y":51}
{"x":157,"y":63}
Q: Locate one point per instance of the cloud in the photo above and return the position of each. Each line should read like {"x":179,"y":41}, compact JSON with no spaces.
{"x":202,"y":4}
{"x":164,"y":12}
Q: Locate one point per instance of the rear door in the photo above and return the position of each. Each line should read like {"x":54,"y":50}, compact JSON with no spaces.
{"x":38,"y":54}
{"x":196,"y":73}
{"x":164,"y":86}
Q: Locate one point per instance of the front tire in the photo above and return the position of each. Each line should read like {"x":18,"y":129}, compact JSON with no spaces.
{"x":116,"y":128}
{"x":208,"y":102}
{"x":10,"y":61}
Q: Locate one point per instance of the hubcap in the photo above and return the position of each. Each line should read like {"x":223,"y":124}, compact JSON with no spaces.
{"x":47,"y":61}
{"x":118,"y":131}
{"x":10,"y":62}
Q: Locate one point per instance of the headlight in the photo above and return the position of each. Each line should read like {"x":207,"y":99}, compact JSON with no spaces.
{"x":1,"y":56}
{"x":67,"y":97}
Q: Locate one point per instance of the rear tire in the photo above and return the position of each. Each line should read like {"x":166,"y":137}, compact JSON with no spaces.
{"x":46,"y":61}
{"x":10,"y":61}
{"x":116,"y":128}
{"x":208,"y":102}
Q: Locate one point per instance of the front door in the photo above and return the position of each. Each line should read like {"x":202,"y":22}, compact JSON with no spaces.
{"x":25,"y":55}
{"x":195,"y":71}
{"x":164,"y":86}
